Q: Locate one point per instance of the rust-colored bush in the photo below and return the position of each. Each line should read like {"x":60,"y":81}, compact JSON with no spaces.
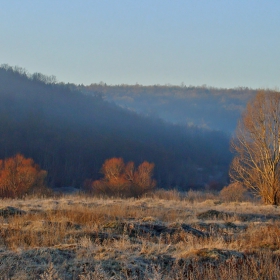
{"x":18,"y":175}
{"x":122,"y":179}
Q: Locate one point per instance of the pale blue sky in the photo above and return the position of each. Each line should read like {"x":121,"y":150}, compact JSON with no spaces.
{"x":222,"y":43}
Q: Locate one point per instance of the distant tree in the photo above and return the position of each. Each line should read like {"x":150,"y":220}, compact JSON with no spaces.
{"x":142,"y":178}
{"x":114,"y":181}
{"x":18,"y":175}
{"x":112,"y":169}
{"x":257,"y":147}
{"x":125,"y":180}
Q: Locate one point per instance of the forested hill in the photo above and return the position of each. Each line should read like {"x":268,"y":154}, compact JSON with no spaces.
{"x":70,"y":134}
{"x":202,"y":106}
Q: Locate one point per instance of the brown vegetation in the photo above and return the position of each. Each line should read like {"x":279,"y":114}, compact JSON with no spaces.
{"x":18,"y":175}
{"x":233,"y":192}
{"x":257,"y":147}
{"x":81,"y":237}
{"x":124,"y":179}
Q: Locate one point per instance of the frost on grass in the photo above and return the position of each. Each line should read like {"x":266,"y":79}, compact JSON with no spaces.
{"x":76,"y":237}
{"x":10,"y":211}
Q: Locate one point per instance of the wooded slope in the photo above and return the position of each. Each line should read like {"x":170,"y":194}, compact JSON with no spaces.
{"x":70,"y":134}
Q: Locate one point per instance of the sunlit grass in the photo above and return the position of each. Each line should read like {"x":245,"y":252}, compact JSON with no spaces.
{"x":159,"y":236}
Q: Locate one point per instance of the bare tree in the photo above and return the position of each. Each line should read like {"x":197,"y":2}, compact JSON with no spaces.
{"x":256,"y":145}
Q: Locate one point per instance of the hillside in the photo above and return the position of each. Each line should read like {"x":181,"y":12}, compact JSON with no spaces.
{"x":211,"y":108}
{"x":70,"y":134}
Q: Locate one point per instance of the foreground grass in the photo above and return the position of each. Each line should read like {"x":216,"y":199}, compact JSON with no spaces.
{"x":160,"y":237}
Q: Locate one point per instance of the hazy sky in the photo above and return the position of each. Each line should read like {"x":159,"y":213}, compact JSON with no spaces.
{"x":223,"y":43}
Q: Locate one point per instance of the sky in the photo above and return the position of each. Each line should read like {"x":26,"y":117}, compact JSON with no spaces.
{"x":220,"y":43}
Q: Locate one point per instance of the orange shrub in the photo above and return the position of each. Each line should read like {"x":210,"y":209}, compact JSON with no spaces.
{"x":123,"y":179}
{"x":18,"y":175}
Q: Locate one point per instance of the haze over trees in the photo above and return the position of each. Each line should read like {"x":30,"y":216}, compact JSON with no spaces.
{"x":70,"y":134}
{"x":203,"y":106}
{"x":257,"y":147}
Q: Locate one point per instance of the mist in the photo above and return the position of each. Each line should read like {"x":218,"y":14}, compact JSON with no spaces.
{"x":70,"y":133}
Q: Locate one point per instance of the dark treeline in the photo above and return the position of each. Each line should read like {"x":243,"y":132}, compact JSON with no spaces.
{"x":203,"y":106}
{"x":70,"y":134}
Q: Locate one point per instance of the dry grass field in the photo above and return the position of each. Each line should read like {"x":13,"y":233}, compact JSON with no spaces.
{"x":163,"y":236}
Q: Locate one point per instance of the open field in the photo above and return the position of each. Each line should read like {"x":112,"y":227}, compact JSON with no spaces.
{"x":163,"y":236}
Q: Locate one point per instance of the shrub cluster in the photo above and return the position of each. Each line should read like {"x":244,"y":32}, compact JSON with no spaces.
{"x":122,"y":179}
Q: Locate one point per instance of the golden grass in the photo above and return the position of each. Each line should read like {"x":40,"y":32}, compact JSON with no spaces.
{"x":158,"y":237}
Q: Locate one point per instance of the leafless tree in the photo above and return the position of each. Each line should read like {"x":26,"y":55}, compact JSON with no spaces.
{"x":256,"y":146}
